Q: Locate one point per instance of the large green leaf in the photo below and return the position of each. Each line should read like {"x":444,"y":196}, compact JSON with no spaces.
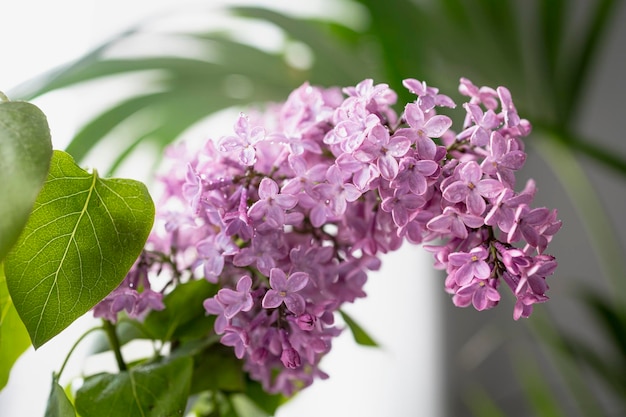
{"x":14,"y":338}
{"x":83,"y":236}
{"x":25,"y":152}
{"x":151,"y":390}
{"x":58,"y":403}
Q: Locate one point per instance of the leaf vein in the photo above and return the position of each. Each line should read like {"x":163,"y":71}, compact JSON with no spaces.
{"x":61,"y":262}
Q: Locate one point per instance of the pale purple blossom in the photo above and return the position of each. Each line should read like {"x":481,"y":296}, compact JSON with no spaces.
{"x":481,"y":293}
{"x":384,"y":151}
{"x":211,"y":253}
{"x":428,"y":97}
{"x":244,"y":144}
{"x":402,"y":205}
{"x":285,"y":290}
{"x":237,"y":338}
{"x":414,"y":175}
{"x":337,"y":191}
{"x":271,"y":205}
{"x":470,"y":265}
{"x":433,"y":127}
{"x":454,"y":222}
{"x":503,"y":159}
{"x":237,"y":300}
{"x":479,"y":132}
{"x":471,"y":188}
{"x":288,"y":216}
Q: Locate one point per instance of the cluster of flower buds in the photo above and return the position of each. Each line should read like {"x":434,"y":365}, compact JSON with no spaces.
{"x":290,"y":213}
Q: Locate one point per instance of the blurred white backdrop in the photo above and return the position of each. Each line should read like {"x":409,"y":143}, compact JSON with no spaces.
{"x":402,"y":312}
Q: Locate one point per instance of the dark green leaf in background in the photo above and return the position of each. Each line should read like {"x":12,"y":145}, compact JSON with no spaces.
{"x":481,"y":403}
{"x":83,"y":236}
{"x":264,"y":400}
{"x":184,"y":315}
{"x":217,"y":369}
{"x":541,"y":397}
{"x":58,"y":403}
{"x":151,"y":390}
{"x":25,"y":152}
{"x":14,"y":338}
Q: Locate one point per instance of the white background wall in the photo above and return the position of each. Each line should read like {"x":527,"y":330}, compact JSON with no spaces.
{"x":403,"y":378}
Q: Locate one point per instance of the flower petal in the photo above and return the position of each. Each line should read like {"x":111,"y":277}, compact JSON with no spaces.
{"x":272,"y":299}
{"x":297,"y":281}
{"x":436,"y":126}
{"x":295,"y":303}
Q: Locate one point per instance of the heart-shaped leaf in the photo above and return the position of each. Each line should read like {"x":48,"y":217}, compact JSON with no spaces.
{"x":25,"y":152}
{"x":83,"y":236}
{"x":159,"y":389}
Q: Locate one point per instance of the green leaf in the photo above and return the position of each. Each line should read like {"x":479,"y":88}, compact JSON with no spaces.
{"x":584,"y":51}
{"x":575,"y":378}
{"x":481,"y":403}
{"x":25,"y":152}
{"x":610,"y":316}
{"x":83,"y":236}
{"x":217,"y":369}
{"x":541,"y":399}
{"x":215,"y":404}
{"x":360,"y":335}
{"x":58,"y":403}
{"x":398,"y":27}
{"x":336,"y":63}
{"x":246,"y":407}
{"x":552,"y":16}
{"x":264,"y":400}
{"x":95,"y":130}
{"x":156,"y":389}
{"x":14,"y":338}
{"x":184,"y":315}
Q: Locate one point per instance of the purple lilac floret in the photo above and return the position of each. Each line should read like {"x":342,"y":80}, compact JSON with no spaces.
{"x":288,"y":215}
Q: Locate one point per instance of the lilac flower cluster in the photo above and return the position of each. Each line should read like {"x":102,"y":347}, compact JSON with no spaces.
{"x":290,"y":213}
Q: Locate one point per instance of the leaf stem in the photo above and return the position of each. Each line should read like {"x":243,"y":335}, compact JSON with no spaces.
{"x":114,"y":341}
{"x":80,"y":339}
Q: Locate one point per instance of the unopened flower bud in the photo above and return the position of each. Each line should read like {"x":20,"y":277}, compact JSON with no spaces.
{"x":306,"y":322}
{"x":290,"y":358}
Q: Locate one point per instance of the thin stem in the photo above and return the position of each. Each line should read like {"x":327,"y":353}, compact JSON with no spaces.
{"x":80,"y":339}
{"x":114,"y":341}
